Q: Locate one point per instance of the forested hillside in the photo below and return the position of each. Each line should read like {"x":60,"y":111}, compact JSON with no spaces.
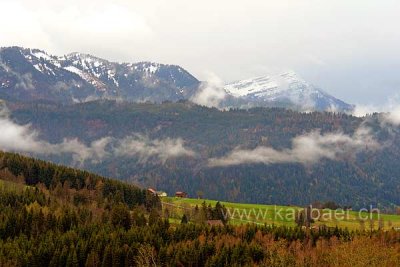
{"x":57,"y":216}
{"x":173,"y":146}
{"x":34,"y":172}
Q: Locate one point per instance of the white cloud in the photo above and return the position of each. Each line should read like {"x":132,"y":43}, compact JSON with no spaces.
{"x":20,"y":26}
{"x":109,"y":29}
{"x":144,"y":148}
{"x":21,"y":138}
{"x":392,"y":117}
{"x":211,"y":92}
{"x":306,"y":149}
{"x":390,"y":111}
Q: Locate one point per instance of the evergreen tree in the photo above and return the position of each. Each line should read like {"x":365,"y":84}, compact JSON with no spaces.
{"x":107,"y":257}
{"x":184,"y":219}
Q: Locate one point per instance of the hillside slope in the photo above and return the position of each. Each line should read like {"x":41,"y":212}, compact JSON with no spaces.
{"x":170,"y":147}
{"x":73,"y":224}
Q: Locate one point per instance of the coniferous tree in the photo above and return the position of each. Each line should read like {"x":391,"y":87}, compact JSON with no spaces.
{"x":184,"y":219}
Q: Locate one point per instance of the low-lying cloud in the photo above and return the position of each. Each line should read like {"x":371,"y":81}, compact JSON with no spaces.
{"x":306,"y":149}
{"x":389,"y":113}
{"x":392,"y":117}
{"x":211,"y":93}
{"x":21,"y":138}
{"x":144,"y":148}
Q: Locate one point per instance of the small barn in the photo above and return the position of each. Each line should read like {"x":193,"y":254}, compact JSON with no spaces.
{"x":181,"y":194}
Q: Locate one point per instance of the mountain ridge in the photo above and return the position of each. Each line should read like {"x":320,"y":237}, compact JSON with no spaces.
{"x":32,"y":74}
{"x":79,"y":77}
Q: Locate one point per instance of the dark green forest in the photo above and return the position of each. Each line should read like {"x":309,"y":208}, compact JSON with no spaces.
{"x":58,"y":216}
{"x":370,"y":178}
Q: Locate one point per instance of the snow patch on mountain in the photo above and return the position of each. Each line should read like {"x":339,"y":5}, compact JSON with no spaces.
{"x":152,"y":68}
{"x":40,"y":54}
{"x":287,"y":87}
{"x":75,"y":70}
{"x":269,"y":86}
{"x":35,"y":56}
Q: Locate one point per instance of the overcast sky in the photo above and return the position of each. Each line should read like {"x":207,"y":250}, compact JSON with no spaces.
{"x":350,"y":48}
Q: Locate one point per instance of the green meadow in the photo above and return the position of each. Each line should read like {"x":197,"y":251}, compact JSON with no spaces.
{"x":241,"y":213}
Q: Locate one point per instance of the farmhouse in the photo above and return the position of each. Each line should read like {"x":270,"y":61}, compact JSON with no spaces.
{"x":181,"y":194}
{"x":161,"y":194}
{"x":156,"y":193}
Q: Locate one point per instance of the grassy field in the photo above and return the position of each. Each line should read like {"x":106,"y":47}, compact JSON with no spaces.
{"x":240,"y":213}
{"x":283,"y":215}
{"x":6,"y":185}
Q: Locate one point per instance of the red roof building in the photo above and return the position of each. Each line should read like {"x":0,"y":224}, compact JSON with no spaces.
{"x":152,"y":191}
{"x":181,"y":194}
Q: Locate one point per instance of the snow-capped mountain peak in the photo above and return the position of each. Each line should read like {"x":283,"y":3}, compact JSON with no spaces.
{"x":266,"y":85}
{"x":284,"y":89}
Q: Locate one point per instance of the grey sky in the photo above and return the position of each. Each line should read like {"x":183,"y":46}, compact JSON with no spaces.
{"x":350,"y":48}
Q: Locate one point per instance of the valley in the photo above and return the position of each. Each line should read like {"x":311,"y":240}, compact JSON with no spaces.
{"x":199,"y":133}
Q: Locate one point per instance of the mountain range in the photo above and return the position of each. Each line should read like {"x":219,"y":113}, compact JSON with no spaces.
{"x":33,"y":74}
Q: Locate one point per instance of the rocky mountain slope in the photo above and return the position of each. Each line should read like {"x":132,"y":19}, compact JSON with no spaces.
{"x":30,"y":74}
